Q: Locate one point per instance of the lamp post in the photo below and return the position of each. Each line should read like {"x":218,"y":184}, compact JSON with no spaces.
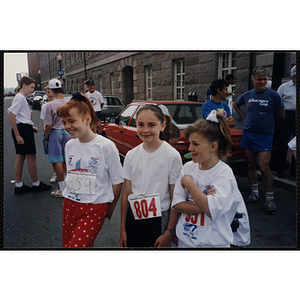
{"x":59,"y":58}
{"x":40,"y":83}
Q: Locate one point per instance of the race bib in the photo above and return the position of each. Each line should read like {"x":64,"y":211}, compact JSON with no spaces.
{"x":80,"y":182}
{"x":197,"y":219}
{"x":146,"y":206}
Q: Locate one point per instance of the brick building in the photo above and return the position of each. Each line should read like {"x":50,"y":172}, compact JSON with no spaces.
{"x":160,"y":75}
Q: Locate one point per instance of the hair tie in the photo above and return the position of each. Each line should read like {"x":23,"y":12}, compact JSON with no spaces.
{"x":77,"y":96}
{"x":212,"y":117}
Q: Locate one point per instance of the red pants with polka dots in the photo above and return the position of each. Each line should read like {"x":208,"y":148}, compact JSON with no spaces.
{"x":81,"y":223}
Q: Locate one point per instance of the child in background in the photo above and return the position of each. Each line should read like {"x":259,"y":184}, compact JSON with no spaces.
{"x":23,"y":129}
{"x":56,"y":136}
{"x":207,"y":219}
{"x":150,"y":172}
{"x":42,"y":115}
{"x":94,"y":175}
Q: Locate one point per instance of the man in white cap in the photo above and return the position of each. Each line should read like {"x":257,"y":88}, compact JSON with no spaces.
{"x":286,"y":127}
{"x":55,"y":135}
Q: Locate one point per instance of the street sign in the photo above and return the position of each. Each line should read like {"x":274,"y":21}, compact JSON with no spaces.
{"x":61,"y":73}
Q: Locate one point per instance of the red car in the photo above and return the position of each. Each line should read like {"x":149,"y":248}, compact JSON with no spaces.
{"x":123,"y":130}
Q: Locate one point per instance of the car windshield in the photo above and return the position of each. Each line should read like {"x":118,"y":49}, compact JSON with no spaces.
{"x":182,"y":114}
{"x":112,"y":101}
{"x":39,"y":94}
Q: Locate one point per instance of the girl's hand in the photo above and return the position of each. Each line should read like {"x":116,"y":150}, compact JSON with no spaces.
{"x":185,"y":180}
{"x":163,"y":241}
{"x":123,"y":239}
{"x":35,"y":129}
{"x":211,"y":191}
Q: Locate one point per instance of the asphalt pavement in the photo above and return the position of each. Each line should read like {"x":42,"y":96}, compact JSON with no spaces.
{"x":33,"y":221}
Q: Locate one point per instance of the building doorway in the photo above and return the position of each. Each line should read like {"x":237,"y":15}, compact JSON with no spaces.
{"x":127,"y":84}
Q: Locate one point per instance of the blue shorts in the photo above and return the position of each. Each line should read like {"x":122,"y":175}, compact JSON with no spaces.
{"x":56,"y":145}
{"x":256,"y":142}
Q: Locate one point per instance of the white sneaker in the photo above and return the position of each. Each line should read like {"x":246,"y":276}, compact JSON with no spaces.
{"x":53,"y":178}
{"x":57,"y":193}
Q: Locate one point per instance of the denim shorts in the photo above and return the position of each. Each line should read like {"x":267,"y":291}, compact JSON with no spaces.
{"x":56,"y":146}
{"x":256,"y":142}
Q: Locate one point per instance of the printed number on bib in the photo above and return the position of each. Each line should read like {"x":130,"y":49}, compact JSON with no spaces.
{"x":198,"y":219}
{"x":80,"y":183}
{"x":145,"y":207}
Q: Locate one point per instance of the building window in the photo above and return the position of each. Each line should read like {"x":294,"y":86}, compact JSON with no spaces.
{"x":179,"y":69}
{"x":227,"y":65}
{"x":112,"y":83}
{"x":149,"y":79}
{"x":100,"y":83}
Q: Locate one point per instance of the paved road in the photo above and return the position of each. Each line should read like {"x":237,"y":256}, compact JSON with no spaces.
{"x":34,"y":220}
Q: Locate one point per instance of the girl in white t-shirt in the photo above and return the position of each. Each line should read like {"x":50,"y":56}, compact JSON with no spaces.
{"x":209,"y":220}
{"x":94,"y":175}
{"x":150,"y":172}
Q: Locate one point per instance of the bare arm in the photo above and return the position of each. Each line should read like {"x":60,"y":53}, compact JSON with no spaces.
{"x":13,"y":123}
{"x":164,"y":239}
{"x":47,"y":134}
{"x":230,"y":121}
{"x":280,"y":114}
{"x":124,"y":208}
{"x":117,"y":188}
{"x":199,"y":197}
{"x":239,"y":110}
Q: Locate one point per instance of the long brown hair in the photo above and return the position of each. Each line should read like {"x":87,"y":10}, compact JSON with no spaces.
{"x":214,"y":132}
{"x":167,"y":133}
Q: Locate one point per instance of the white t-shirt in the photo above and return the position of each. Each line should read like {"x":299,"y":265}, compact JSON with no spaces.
{"x":292,"y":143}
{"x":42,"y":115}
{"x":21,"y":109}
{"x":199,"y":230}
{"x":96,"y":99}
{"x":99,"y":157}
{"x":151,"y":173}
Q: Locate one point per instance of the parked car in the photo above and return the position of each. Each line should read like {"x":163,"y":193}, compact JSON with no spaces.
{"x":34,"y":94}
{"x":67,"y":96}
{"x":44,"y":100}
{"x":36,"y":104}
{"x":113,"y":105}
{"x":122,"y":129}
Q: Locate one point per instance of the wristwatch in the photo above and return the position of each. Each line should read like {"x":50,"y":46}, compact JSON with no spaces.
{"x":170,"y":229}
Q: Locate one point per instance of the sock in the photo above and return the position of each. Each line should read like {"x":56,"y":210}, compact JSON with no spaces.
{"x":19,"y":184}
{"x":61,"y":185}
{"x":270,"y":196}
{"x":37,"y":183}
{"x":254,"y":189}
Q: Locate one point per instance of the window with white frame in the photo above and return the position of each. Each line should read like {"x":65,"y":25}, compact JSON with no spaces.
{"x":227,"y":65}
{"x":149,"y":78}
{"x":112,"y":83}
{"x":179,"y":70}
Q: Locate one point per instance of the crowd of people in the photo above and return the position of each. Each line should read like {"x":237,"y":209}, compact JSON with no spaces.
{"x":194,"y":205}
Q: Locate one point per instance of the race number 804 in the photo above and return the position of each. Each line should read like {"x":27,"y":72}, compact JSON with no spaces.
{"x":145,"y":207}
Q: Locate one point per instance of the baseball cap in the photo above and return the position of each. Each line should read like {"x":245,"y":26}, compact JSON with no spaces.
{"x":55,"y":84}
{"x":90,"y":82}
{"x":293,"y":71}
